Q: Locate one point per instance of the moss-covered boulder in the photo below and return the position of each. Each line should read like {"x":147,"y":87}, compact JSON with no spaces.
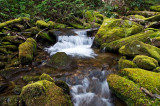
{"x":114,"y":29}
{"x":124,"y":63}
{"x":157,"y":69}
{"x":60,"y":26}
{"x":139,"y":48}
{"x":128,"y":91}
{"x":42,"y":24}
{"x":147,"y":79}
{"x":155,"y":8}
{"x":44,"y":93}
{"x":46,"y":77}
{"x":46,"y":38}
{"x":115,"y":45}
{"x":60,"y":60}
{"x":145,"y":62}
{"x":27,"y":50}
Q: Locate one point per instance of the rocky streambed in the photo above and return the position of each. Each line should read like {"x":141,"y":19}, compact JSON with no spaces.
{"x":52,"y":64}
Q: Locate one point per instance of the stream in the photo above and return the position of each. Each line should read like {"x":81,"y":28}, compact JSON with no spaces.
{"x":88,"y":84}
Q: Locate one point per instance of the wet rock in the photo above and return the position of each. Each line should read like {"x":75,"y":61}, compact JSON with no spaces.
{"x":10,"y":100}
{"x":114,"y":29}
{"x":124,"y":63}
{"x":46,"y":77}
{"x":27,"y":50}
{"x":129,"y":91}
{"x":139,"y":48}
{"x":145,"y":62}
{"x":155,"y":8}
{"x":44,"y":93}
{"x":61,"y":61}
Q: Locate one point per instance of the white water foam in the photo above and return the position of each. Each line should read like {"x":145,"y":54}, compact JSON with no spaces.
{"x":91,"y":92}
{"x":74,"y":45}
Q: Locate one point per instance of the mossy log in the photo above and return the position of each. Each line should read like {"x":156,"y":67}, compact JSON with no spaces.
{"x":27,"y":50}
{"x":143,"y":13}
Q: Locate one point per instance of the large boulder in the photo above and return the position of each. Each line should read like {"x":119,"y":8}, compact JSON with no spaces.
{"x":44,"y":93}
{"x":61,"y":61}
{"x":114,"y":29}
{"x":127,"y":90}
{"x":139,"y":48}
{"x":27,"y":50}
{"x":115,"y":45}
{"x":145,"y":62}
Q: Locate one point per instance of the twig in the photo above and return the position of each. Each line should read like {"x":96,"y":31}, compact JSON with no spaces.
{"x":40,"y":32}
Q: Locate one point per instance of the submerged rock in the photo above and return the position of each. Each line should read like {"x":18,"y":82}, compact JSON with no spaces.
{"x":139,"y":48}
{"x":27,"y":50}
{"x":145,"y":62}
{"x":124,"y":63}
{"x":128,"y":91}
{"x":44,"y":93}
{"x":61,"y":61}
{"x":114,"y":29}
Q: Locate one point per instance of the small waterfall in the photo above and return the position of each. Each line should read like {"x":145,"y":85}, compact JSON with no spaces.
{"x":92,"y":90}
{"x":79,"y":45}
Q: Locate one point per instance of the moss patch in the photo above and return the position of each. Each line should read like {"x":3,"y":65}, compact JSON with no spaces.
{"x":26,"y":51}
{"x":46,"y":77}
{"x":145,"y":62}
{"x":155,"y":8}
{"x":124,"y":63}
{"x":42,"y":24}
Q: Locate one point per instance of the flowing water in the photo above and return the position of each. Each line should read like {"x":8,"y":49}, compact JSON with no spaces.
{"x":79,"y":45}
{"x":89,"y":87}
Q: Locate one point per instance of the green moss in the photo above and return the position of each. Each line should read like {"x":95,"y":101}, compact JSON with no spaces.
{"x":136,"y":17}
{"x":46,"y":77}
{"x":26,"y":51}
{"x":44,"y":93}
{"x":10,"y":100}
{"x":60,"y":26}
{"x":145,"y":62}
{"x":13,"y":63}
{"x":114,"y":29}
{"x":10,"y":47}
{"x":127,"y":90}
{"x":12,"y":39}
{"x":77,"y":26}
{"x":139,"y":48}
{"x":157,"y":69}
{"x":45,"y":37}
{"x":42,"y":24}
{"x":153,"y":18}
{"x":6,"y":43}
{"x":147,"y":79}
{"x":10,"y":22}
{"x":124,"y":63}
{"x":51,"y":24}
{"x":28,"y":78}
{"x":155,"y":8}
{"x":115,"y":45}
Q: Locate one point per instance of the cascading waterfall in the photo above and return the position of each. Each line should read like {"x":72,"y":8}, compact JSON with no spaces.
{"x":79,"y":45}
{"x":91,"y":90}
